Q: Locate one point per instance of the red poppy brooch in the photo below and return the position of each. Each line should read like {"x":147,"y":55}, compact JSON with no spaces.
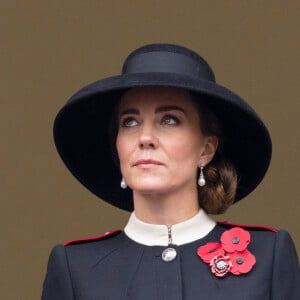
{"x":231,"y":255}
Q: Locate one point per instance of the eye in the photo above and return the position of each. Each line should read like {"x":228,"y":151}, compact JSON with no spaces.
{"x":170,"y":120}
{"x":129,"y":122}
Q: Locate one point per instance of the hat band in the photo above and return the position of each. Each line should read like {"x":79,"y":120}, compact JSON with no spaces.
{"x":168,"y":62}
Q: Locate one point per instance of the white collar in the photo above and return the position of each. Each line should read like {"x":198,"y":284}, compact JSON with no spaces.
{"x":157,"y":235}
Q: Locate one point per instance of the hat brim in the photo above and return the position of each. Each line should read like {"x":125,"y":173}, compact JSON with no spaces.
{"x":83,"y":142}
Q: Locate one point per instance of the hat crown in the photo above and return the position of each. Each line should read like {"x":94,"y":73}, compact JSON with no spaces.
{"x":168,"y":58}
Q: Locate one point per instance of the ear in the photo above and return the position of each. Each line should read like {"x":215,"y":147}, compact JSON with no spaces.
{"x":210,"y":148}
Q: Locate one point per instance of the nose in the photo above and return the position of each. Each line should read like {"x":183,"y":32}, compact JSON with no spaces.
{"x":148,"y":139}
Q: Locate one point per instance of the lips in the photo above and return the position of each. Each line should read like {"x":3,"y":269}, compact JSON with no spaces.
{"x":147,"y":163}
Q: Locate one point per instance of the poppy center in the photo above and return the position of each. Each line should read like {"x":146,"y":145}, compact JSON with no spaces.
{"x":212,"y":250}
{"x":239,"y":260}
{"x":235,"y":240}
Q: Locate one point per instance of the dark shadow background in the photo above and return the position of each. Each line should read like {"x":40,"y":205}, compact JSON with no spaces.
{"x":49,"y":49}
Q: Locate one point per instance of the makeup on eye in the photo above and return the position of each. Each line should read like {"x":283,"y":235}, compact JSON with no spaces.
{"x":167,"y":118}
{"x":128,"y":122}
{"x":170,"y":120}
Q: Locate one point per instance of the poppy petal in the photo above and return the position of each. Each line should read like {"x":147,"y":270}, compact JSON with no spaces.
{"x":210,"y":250}
{"x":242,"y":262}
{"x":235,"y":239}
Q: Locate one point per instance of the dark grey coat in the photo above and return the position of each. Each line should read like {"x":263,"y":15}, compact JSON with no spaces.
{"x":115,"y":268}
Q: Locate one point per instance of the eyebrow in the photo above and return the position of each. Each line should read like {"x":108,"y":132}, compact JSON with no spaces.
{"x":130,"y":111}
{"x":134,"y":111}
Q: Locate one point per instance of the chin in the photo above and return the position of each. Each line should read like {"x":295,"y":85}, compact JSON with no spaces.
{"x":149,"y":187}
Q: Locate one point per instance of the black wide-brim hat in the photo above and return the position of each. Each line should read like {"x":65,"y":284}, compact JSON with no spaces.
{"x":81,"y":128}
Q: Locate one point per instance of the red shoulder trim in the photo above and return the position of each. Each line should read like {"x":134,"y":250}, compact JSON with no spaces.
{"x":249,"y":226}
{"x":93,"y":238}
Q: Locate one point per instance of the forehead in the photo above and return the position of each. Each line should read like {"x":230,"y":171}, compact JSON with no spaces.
{"x":148,"y":97}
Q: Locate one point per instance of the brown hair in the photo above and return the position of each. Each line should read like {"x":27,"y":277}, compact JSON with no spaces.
{"x":220,"y":174}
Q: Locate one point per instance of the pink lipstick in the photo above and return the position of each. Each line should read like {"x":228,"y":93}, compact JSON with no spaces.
{"x":147,"y":163}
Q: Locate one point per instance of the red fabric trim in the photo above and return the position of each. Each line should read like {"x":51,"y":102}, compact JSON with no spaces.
{"x":249,"y":226}
{"x":93,"y":238}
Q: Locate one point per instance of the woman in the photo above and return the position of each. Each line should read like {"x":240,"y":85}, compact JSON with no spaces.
{"x":163,"y":139}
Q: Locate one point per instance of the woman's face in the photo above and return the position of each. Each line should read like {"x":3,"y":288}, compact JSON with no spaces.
{"x":159,"y":142}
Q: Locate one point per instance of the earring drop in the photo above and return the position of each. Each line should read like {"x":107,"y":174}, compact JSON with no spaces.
{"x":201,"y":180}
{"x":123,"y":183}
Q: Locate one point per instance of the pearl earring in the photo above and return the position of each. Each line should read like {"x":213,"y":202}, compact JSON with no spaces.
{"x":201,"y":180}
{"x":123,"y":183}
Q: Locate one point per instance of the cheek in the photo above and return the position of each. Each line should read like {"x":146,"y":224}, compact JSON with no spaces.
{"x":123,"y":148}
{"x":119,"y":147}
{"x":186,"y":148}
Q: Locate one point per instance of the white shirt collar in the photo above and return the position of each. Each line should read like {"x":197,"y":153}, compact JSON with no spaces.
{"x":157,"y":235}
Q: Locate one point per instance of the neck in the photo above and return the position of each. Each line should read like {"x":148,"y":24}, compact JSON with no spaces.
{"x":166,"y":209}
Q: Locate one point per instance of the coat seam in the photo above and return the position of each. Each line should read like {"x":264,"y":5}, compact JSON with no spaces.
{"x":110,"y":252}
{"x":139,"y":259}
{"x":68,"y":266}
{"x":273,"y":264}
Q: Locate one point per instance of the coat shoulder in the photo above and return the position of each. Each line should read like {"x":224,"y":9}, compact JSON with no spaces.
{"x":252,"y":228}
{"x":88,"y":251}
{"x":102,"y":237}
